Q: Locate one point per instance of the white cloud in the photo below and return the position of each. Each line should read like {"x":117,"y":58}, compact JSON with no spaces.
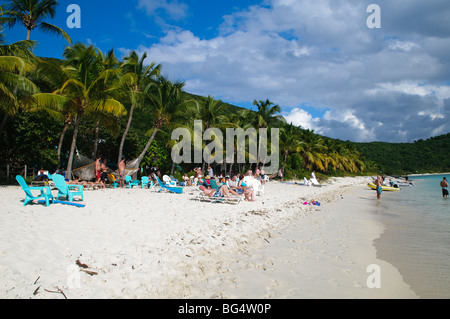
{"x":403,"y":45}
{"x":300,"y":117}
{"x":321,"y":53}
{"x":174,"y":9}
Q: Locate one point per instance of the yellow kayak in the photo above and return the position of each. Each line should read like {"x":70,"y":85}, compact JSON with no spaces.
{"x":384,"y":188}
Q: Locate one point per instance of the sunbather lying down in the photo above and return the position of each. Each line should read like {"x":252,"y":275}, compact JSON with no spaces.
{"x":84,"y":183}
{"x":223,"y":189}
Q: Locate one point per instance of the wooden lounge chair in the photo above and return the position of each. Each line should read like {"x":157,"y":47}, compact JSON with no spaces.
{"x":45,"y":192}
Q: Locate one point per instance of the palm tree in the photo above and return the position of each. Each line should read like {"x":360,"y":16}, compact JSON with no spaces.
{"x":242,"y":119}
{"x":136,"y":77}
{"x":266,"y":114}
{"x":32,"y":13}
{"x":50,"y":76}
{"x":168,"y":105}
{"x":88,"y":88}
{"x":108,"y":64}
{"x":290,"y":141}
{"x":312,"y":150}
{"x":16,"y":61}
{"x":86,"y":91}
{"x":213,"y":114}
{"x":266,"y":117}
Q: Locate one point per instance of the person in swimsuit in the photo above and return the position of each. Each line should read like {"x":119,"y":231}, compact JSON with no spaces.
{"x":210,"y":192}
{"x":444,"y":185}
{"x":378,"y":185}
{"x":248,"y":191}
{"x":104,"y":173}
{"x":122,"y":172}
{"x":97,"y":169}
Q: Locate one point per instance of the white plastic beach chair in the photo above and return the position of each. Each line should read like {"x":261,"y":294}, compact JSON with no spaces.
{"x":168,"y":181}
{"x":258,"y":188}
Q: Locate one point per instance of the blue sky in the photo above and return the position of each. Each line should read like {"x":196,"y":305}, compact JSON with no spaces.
{"x":318,"y":60}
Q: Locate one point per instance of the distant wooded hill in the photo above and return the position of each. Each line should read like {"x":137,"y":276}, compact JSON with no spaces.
{"x":422,"y":156}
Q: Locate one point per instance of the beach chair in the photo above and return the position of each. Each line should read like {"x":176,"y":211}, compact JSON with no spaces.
{"x":67,"y":190}
{"x":259,"y":189}
{"x":168,"y":181}
{"x":173,"y":189}
{"x":112,"y":181}
{"x":145,"y":181}
{"x":174,"y":180}
{"x":45,"y":192}
{"x":219,"y":196}
{"x":131,"y":183}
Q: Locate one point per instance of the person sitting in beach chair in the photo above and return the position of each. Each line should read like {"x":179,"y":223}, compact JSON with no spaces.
{"x":221,"y":194}
{"x":248,"y":191}
{"x":207,"y":191}
{"x":201,"y":181}
{"x":41,"y":177}
{"x":187,"y":180}
{"x":223,"y":187}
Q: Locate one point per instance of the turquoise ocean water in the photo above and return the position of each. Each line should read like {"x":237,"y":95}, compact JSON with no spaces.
{"x":417,"y":236}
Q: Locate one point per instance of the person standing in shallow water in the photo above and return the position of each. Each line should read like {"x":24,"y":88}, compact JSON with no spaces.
{"x":444,"y":185}
{"x":378,"y":185}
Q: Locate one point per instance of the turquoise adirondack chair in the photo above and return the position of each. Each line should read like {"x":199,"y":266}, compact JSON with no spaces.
{"x":45,"y":192}
{"x":67,"y":190}
{"x":131,"y":183}
{"x":145,"y":181}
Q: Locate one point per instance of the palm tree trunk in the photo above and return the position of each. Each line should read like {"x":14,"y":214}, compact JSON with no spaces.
{"x":172,"y":168}
{"x":284,"y":162}
{"x":97,"y":133}
{"x":2,"y":125}
{"x":122,"y":142}
{"x":61,"y":138}
{"x":147,"y":146}
{"x":28,"y":34}
{"x":72,"y":148}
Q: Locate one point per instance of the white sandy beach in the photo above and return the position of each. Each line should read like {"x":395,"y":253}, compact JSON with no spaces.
{"x":142,"y":244}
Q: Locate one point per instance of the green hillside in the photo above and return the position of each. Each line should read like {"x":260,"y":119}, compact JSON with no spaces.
{"x":422,"y":156}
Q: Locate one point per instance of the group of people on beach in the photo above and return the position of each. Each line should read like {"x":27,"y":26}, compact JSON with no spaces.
{"x":235,"y":185}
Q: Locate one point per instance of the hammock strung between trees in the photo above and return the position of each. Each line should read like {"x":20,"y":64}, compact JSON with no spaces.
{"x":131,"y":168}
{"x":85,"y":167}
